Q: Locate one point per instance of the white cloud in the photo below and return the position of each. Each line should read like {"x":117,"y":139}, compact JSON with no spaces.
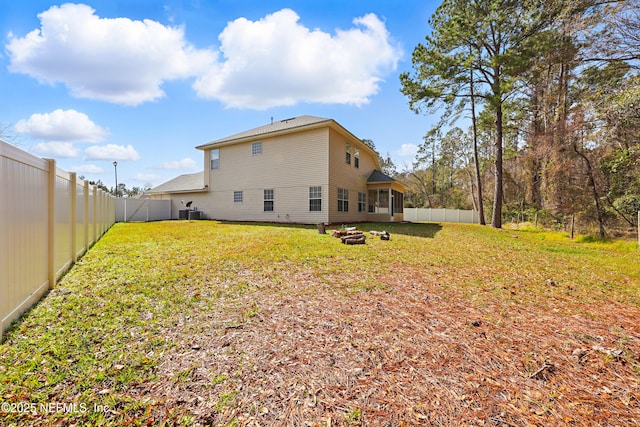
{"x":112,"y":152}
{"x":115,"y":60}
{"x":62,"y":125}
{"x":277,"y":61}
{"x":185,"y":164}
{"x":147,"y":178}
{"x":89,"y":169}
{"x":56,"y":149}
{"x":274,"y":61}
{"x":407,"y":150}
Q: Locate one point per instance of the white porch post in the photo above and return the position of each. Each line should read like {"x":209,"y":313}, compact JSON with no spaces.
{"x":391,"y":207}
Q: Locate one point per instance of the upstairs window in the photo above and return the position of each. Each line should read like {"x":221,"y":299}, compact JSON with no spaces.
{"x":256,"y":148}
{"x":268,"y":200}
{"x":315,"y":199}
{"x":343,"y":200}
{"x":237,"y":197}
{"x":356,"y":158}
{"x":347,"y":154}
{"x":215,"y":159}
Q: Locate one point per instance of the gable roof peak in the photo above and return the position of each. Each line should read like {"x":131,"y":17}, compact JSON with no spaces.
{"x":273,"y":127}
{"x":190,"y":182}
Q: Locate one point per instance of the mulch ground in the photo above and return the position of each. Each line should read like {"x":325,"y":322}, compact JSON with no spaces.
{"x":307,"y":351}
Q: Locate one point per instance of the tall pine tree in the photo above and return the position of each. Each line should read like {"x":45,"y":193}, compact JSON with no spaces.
{"x":498,"y":40}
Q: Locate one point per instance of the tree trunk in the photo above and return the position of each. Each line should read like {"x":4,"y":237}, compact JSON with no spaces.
{"x":496,"y":220}
{"x":476,"y":160}
{"x":594,"y":192}
{"x":433,"y":168}
{"x":423,"y":187}
{"x":538,"y":139}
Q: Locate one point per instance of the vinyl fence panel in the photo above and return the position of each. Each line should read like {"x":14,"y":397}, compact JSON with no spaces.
{"x":23,"y":231}
{"x":132,"y":210}
{"x":440,"y":215}
{"x":47,"y":219}
{"x":63,"y":254}
{"x":81,"y":219}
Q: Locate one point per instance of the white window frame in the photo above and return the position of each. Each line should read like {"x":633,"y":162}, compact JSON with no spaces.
{"x":343,"y":200}
{"x":315,"y":195}
{"x":347,"y":153}
{"x":269,"y":197}
{"x":256,"y":148}
{"x":237,"y":197}
{"x":362,"y":202}
{"x":215,"y":158}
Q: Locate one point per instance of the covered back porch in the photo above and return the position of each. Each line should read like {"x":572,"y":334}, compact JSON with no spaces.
{"x":385,"y":198}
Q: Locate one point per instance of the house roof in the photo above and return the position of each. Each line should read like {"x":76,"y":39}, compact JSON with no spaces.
{"x":282,"y":126}
{"x":377,"y":176}
{"x":275,"y":127}
{"x":182,"y":184}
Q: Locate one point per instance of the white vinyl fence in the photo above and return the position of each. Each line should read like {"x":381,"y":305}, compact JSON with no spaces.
{"x":440,"y":215}
{"x":48,"y":219}
{"x":142,"y":210}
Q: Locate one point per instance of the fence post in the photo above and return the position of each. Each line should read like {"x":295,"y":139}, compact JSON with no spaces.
{"x":85,"y":202}
{"x":573,"y":223}
{"x":74,"y":216}
{"x":51,"y":222}
{"x":94,"y":207}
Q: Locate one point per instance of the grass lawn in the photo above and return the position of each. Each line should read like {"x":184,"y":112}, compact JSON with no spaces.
{"x":209,"y":323}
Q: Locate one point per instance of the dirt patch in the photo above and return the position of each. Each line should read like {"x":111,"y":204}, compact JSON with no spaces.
{"x":410,"y":351}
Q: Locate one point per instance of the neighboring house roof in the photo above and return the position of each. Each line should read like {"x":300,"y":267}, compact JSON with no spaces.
{"x":182,"y":184}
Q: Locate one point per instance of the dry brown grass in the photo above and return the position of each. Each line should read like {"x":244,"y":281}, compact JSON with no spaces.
{"x":411,"y":354}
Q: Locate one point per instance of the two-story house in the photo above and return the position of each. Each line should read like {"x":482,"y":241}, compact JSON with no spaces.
{"x":302,"y":170}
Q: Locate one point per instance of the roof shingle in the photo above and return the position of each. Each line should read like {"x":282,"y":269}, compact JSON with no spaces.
{"x":182,"y":183}
{"x":279,"y":126}
{"x":377,"y":176}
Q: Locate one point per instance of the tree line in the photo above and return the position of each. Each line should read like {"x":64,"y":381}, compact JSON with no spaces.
{"x":539,"y":105}
{"x":121,"y":191}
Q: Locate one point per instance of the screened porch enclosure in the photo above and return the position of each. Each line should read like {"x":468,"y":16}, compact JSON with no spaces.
{"x":387,"y":202}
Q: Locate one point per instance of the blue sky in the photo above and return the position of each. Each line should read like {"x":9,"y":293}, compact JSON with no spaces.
{"x":143,"y":82}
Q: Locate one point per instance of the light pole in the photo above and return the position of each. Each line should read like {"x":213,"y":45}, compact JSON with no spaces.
{"x":115,"y":169}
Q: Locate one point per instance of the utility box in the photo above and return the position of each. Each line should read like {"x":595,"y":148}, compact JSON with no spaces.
{"x":183,"y":214}
{"x":194,"y":215}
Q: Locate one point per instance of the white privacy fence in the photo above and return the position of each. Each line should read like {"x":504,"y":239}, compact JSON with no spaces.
{"x":48,"y":219}
{"x":440,"y":215}
{"x":134,"y":210}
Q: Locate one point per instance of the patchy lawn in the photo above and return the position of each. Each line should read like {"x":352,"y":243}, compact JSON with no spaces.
{"x":208,"y":323}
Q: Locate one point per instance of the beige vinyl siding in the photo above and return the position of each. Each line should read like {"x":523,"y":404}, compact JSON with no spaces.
{"x":347,"y":176}
{"x":289,"y":164}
